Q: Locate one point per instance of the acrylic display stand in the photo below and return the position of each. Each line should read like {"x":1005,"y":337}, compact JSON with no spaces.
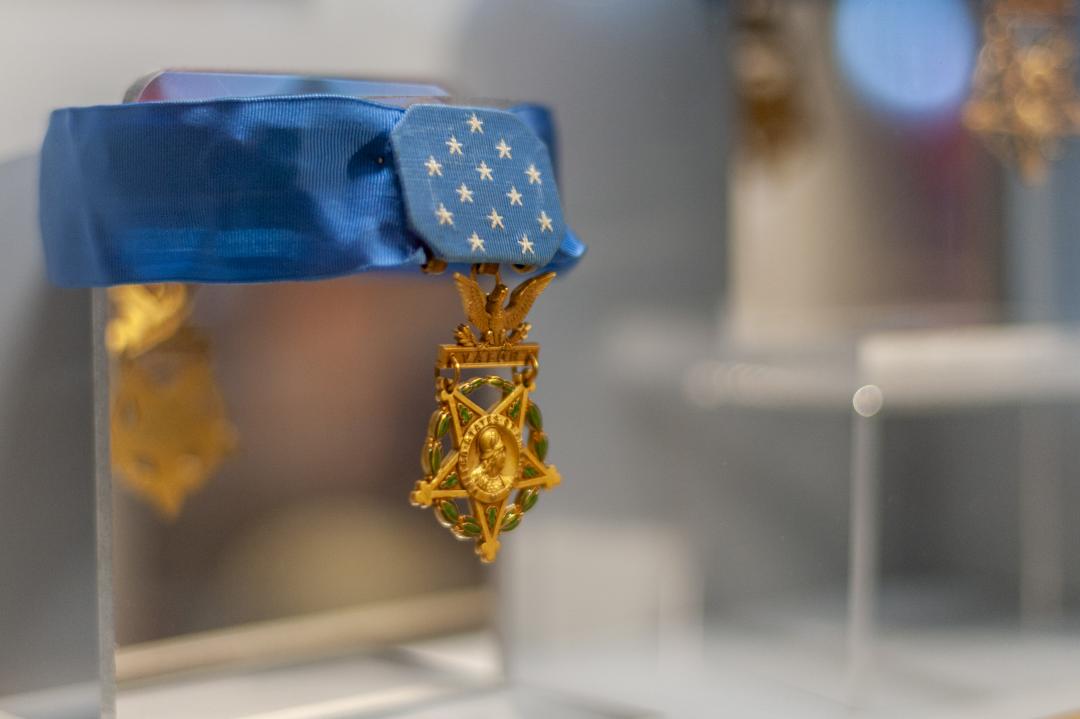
{"x":372,"y":661}
{"x":993,"y":663}
{"x":74,"y":675}
{"x":1035,"y":368}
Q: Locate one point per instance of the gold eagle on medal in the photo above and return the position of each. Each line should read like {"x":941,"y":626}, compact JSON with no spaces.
{"x":499,"y":322}
{"x":145,"y":316}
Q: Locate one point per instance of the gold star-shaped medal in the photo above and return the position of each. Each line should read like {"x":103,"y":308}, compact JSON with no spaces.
{"x":488,"y":460}
{"x":476,"y":457}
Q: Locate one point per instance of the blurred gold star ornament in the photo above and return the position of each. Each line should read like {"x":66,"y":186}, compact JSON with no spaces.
{"x":1024,"y":100}
{"x":169,"y":428}
{"x":484,"y":462}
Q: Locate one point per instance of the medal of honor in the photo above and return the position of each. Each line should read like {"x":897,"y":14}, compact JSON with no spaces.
{"x":306,"y":187}
{"x":479,"y":187}
{"x":484,"y":462}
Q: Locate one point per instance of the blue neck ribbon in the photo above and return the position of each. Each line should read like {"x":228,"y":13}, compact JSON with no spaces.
{"x":296,"y":187}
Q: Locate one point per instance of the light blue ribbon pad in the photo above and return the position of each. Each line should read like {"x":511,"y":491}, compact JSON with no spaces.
{"x":478,"y":185}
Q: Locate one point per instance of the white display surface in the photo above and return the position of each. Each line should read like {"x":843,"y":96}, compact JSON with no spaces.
{"x":348,"y":687}
{"x":451,"y":677}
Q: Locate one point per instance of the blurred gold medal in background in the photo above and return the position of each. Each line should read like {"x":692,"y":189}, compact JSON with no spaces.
{"x":169,"y":428}
{"x":1024,"y":102}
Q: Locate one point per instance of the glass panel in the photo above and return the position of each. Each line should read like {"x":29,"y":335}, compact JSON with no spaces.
{"x":264,"y":440}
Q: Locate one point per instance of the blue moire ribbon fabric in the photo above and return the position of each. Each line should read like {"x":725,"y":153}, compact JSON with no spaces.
{"x":259,"y":189}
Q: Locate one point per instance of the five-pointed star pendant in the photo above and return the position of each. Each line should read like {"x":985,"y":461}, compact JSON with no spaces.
{"x":184,"y":419}
{"x":454,"y":145}
{"x":496,"y":220}
{"x":446,"y":484}
{"x":534,"y":175}
{"x":446,"y":217}
{"x":475,"y":124}
{"x":526,"y":245}
{"x":504,"y":149}
{"x":484,"y":170}
{"x":514,"y":195}
{"x":434,"y":167}
{"x":545,"y":222}
{"x":476,"y":242}
{"x":464,"y":193}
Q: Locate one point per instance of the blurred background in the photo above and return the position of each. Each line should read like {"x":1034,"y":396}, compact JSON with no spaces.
{"x":812,"y":391}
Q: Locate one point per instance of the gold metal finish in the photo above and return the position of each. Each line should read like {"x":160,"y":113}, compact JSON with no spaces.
{"x":1024,"y":100}
{"x":434,"y":266}
{"x":169,"y":428}
{"x":767,"y":80}
{"x":475,"y":457}
{"x":144,"y":316}
{"x":501,"y":323}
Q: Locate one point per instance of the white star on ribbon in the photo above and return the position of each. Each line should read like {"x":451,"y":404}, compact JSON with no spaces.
{"x":504,"y":149}
{"x":534,"y":175}
{"x":446,"y":217}
{"x":496,"y":220}
{"x":476,"y":242}
{"x":526,"y":245}
{"x":484,"y":170}
{"x":433,"y":166}
{"x":454,"y":145}
{"x":515,"y":196}
{"x":545,"y":222}
{"x":475,"y":124}
{"x":464,"y":193}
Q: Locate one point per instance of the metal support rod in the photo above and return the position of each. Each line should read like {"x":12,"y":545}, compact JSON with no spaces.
{"x":864,"y":533}
{"x":1039,"y":502}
